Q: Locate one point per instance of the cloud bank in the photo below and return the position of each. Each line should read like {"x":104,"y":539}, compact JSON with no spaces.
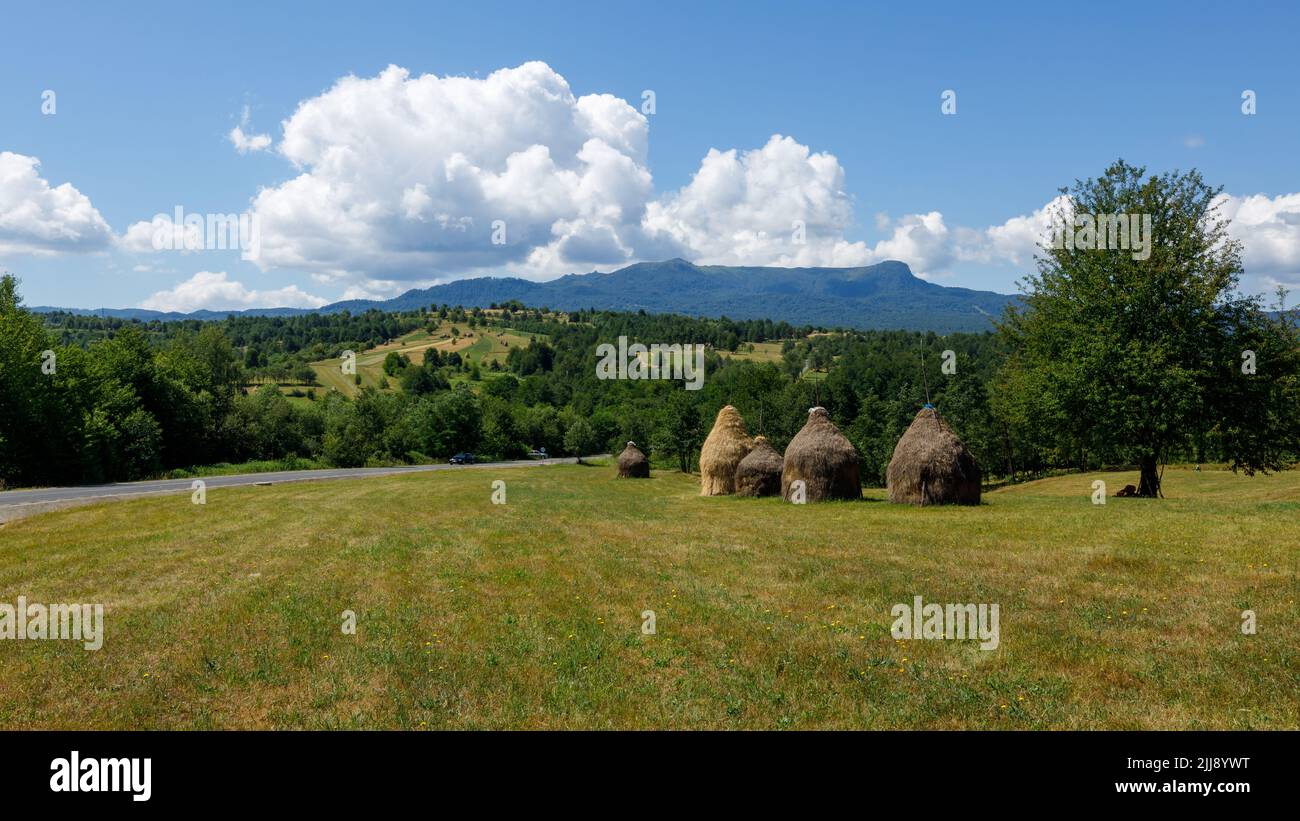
{"x":424,"y":177}
{"x":215,"y":291}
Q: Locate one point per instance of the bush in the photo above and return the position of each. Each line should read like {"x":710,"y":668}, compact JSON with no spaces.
{"x":581,"y":439}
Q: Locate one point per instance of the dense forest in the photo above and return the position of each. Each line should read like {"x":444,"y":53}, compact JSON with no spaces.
{"x":90,"y":399}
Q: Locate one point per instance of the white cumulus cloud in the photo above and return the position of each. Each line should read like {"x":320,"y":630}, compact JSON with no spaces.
{"x":161,"y":233}
{"x":408,"y":177}
{"x":405,"y":178}
{"x":1269,"y":230}
{"x":1020,"y":238}
{"x":215,"y":291}
{"x":927,"y":244}
{"x":780,"y":204}
{"x":244,"y":143}
{"x":38,"y":219}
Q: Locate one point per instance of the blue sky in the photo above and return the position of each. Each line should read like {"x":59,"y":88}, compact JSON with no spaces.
{"x":146,"y":100}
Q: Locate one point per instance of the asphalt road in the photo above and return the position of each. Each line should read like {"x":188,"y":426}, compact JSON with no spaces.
{"x":54,"y":495}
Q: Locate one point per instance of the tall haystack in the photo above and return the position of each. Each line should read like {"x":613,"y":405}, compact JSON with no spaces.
{"x":632,"y":463}
{"x":759,"y":473}
{"x":931,"y":466}
{"x":727,"y":444}
{"x":824,"y":459}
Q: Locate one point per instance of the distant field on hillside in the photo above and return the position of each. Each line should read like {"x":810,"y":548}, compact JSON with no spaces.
{"x":771,"y":352}
{"x":482,"y":345}
{"x":768,"y":615}
{"x":762,"y":352}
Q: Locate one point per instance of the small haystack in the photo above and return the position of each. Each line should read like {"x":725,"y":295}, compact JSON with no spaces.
{"x":931,"y":466}
{"x":759,"y":473}
{"x":824,"y":459}
{"x":632,"y":463}
{"x":727,"y":444}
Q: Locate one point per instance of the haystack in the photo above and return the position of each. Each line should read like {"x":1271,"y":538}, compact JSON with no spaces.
{"x":824,"y":459}
{"x":759,"y":473}
{"x":931,"y":466}
{"x":727,"y":444}
{"x":632,"y":463}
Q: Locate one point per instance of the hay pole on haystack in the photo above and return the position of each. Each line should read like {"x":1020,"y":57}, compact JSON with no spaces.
{"x":925,"y":381}
{"x":931,"y":466}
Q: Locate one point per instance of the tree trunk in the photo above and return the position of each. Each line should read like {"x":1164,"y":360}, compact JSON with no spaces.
{"x":1149,"y":483}
{"x":1006,"y":445}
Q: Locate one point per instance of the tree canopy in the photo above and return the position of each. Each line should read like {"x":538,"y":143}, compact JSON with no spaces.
{"x":1133,"y":359}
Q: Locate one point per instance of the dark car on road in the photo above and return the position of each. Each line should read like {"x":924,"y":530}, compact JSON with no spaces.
{"x":463,"y":459}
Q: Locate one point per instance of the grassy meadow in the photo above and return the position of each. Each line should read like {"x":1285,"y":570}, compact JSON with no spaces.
{"x":481,"y":345}
{"x":768,"y":615}
{"x":761,"y":352}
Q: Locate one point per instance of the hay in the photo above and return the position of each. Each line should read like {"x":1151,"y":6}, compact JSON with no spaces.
{"x":824,"y":459}
{"x":727,"y":444}
{"x":632,"y":463}
{"x":759,"y":473}
{"x":931,"y":466}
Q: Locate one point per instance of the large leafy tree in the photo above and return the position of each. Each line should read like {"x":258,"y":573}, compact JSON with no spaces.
{"x":23,"y":395}
{"x":1140,"y":359}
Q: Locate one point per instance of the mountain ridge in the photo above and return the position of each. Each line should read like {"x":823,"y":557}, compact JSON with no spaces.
{"x":886,"y":295}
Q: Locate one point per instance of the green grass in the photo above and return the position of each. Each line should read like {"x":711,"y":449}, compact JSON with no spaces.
{"x":769,"y":615}
{"x":771,"y":352}
{"x":484,"y":346}
{"x":763,"y":352}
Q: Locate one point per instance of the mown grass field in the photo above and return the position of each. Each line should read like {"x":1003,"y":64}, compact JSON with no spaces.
{"x":768,"y":615}
{"x":762,"y":352}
